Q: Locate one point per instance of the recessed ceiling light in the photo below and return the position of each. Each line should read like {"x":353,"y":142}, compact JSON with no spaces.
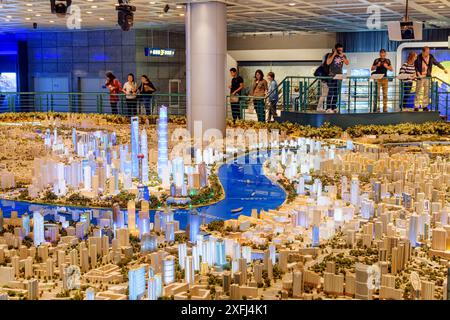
{"x":88,"y":12}
{"x":30,"y":10}
{"x":152,"y":2}
{"x":179,"y":7}
{"x":80,"y":20}
{"x":181,"y":14}
{"x":101,"y":18}
{"x":51,"y":21}
{"x":29,"y":4}
{"x":7,"y":20}
{"x":441,"y":7}
{"x":9,"y":17}
{"x":161,"y":15}
{"x":292,"y":4}
{"x":27,"y":18}
{"x":37,"y":14}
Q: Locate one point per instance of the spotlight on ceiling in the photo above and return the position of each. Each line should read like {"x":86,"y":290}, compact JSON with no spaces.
{"x":166,"y":8}
{"x":125,"y":15}
{"x":59,"y":7}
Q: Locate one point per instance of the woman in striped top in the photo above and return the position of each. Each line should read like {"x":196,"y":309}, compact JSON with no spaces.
{"x":408,"y":69}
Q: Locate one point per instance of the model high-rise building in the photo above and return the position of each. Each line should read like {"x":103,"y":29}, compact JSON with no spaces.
{"x":136,"y":283}
{"x":163,"y":153}
{"x":189,"y":270}
{"x":144,"y":151}
{"x":168,"y":268}
{"x":134,"y":146}
{"x":38,"y":228}
{"x":90,"y":294}
{"x":362,"y":290}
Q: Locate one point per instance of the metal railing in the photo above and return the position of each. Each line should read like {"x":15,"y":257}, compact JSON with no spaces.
{"x":302,"y":94}
{"x":359,"y":94}
{"x":91,"y":102}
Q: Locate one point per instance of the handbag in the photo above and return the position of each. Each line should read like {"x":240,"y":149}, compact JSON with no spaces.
{"x":323,"y":69}
{"x":320,"y":72}
{"x":234,"y":99}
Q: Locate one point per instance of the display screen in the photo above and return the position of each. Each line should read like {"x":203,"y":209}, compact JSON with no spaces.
{"x":8,"y":82}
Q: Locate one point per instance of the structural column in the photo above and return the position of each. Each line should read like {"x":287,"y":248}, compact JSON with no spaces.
{"x":206,"y":49}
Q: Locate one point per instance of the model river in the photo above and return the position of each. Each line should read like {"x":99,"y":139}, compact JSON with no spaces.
{"x":243,"y":180}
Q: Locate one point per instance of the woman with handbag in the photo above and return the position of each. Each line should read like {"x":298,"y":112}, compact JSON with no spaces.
{"x":259,"y":91}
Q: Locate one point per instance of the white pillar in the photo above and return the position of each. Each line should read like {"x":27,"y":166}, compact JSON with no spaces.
{"x":206,"y":49}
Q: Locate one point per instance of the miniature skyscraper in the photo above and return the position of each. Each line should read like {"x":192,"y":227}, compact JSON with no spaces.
{"x":144,"y":151}
{"x":134,"y":146}
{"x":163,"y":157}
{"x":38,"y":228}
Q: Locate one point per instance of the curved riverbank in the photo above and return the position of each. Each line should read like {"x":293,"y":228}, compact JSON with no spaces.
{"x":244,"y":185}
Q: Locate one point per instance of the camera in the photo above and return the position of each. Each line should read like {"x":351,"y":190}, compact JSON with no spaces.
{"x":125,"y":15}
{"x":59,"y":7}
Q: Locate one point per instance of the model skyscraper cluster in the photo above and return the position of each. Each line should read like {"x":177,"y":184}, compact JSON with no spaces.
{"x":359,"y":221}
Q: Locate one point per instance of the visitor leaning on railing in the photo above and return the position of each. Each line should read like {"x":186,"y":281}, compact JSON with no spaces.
{"x":424,"y":67}
{"x":114,"y":87}
{"x":407,"y":75}
{"x":130,"y":90}
{"x":145,"y":94}
{"x":259,"y":91}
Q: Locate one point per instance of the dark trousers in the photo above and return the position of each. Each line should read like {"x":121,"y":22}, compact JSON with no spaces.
{"x":147,"y":101}
{"x":407,"y":86}
{"x":236,"y":111}
{"x":131,"y":107}
{"x":272,"y":109}
{"x":114,"y":109}
{"x":259,"y":108}
{"x":334,"y":87}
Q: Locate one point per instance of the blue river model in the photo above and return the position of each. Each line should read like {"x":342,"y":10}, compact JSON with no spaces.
{"x":243,"y":180}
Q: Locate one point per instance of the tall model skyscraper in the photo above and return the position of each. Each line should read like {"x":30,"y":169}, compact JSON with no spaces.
{"x":136,"y":281}
{"x":74,"y":139}
{"x":131,"y":208}
{"x":189,"y":271}
{"x":38,"y":228}
{"x":134,"y":146}
{"x":144,"y":151}
{"x":194,"y":226}
{"x":315,"y":236}
{"x":163,"y":157}
{"x":413,"y":226}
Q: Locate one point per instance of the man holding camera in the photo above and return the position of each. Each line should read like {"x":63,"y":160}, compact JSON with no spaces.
{"x":335,"y":62}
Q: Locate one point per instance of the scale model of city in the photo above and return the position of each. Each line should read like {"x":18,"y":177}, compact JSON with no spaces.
{"x":96,"y":211}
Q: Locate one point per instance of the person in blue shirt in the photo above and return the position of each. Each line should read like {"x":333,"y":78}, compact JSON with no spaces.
{"x":272,"y":95}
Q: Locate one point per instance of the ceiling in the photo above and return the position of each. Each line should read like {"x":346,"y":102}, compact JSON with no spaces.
{"x":244,"y":16}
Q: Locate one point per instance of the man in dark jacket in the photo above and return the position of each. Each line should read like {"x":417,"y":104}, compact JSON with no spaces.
{"x":424,"y":67}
